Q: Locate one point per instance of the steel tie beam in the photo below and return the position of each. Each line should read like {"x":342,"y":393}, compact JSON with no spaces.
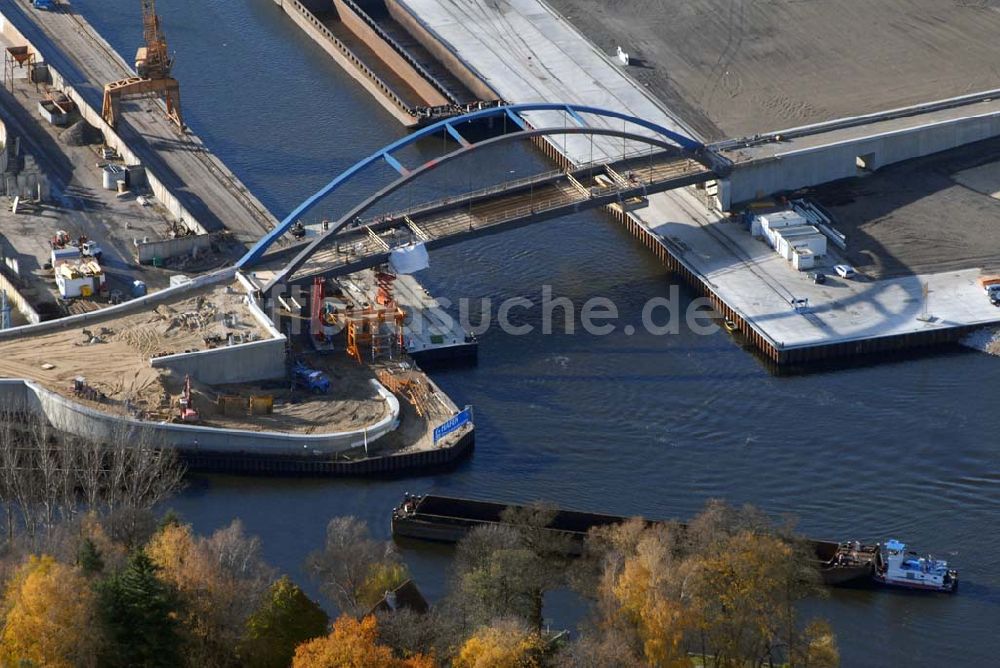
{"x":395,"y":164}
{"x":455,"y":135}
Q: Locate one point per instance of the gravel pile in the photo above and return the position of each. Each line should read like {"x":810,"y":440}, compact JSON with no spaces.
{"x":81,"y":133}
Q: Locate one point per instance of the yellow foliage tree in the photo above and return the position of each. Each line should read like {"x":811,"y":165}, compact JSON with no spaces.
{"x":48,"y":616}
{"x":506,"y":644}
{"x":216,"y":603}
{"x":646,"y":593}
{"x":382,"y":577}
{"x":352,"y":644}
{"x":741,"y":589}
{"x":820,"y":646}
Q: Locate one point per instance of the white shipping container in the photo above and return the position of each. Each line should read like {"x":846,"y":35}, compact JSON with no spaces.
{"x":803,"y":259}
{"x":782,"y":219}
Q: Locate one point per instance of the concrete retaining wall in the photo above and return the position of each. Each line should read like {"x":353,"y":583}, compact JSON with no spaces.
{"x":354,"y":22}
{"x":243,"y":363}
{"x":18,"y":301}
{"x":822,"y":164}
{"x":141,"y":304}
{"x":166,"y":248}
{"x":68,"y":416}
{"x":439,"y":48}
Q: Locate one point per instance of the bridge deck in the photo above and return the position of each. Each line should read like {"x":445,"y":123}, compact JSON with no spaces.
{"x":447,"y":221}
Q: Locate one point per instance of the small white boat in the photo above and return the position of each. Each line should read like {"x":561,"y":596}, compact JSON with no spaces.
{"x":898,"y":568}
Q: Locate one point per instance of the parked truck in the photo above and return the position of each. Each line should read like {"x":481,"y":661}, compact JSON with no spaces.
{"x":991,"y":286}
{"x":310,"y":379}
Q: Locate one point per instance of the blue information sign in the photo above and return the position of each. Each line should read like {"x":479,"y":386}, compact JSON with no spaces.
{"x":452,"y":424}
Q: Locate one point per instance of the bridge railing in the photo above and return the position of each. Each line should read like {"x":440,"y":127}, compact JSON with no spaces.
{"x":509,"y":184}
{"x":543,"y":205}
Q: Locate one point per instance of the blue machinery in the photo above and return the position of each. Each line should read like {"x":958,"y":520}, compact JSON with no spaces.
{"x":663,"y":138}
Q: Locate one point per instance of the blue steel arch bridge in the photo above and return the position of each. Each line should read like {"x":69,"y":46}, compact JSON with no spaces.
{"x":357,"y":240}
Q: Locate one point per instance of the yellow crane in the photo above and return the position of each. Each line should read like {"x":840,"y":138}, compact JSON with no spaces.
{"x":152,"y":64}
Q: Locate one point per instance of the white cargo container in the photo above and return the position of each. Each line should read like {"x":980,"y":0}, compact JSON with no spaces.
{"x":770,"y":223}
{"x":84,"y":279}
{"x":65,"y":254}
{"x":803,"y":259}
{"x":788,"y":239}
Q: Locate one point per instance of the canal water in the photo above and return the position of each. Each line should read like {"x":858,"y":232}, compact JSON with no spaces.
{"x":640,"y":424}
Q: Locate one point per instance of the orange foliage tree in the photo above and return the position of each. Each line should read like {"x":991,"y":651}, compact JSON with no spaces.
{"x":352,"y":644}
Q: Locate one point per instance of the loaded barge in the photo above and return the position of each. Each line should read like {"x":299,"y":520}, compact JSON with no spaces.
{"x":448,"y":519}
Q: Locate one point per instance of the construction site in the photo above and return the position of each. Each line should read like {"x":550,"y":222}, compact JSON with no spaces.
{"x":115,"y":247}
{"x":189,"y":306}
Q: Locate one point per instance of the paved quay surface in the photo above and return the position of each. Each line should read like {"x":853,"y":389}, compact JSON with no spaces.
{"x":205,"y":186}
{"x":760,"y":285}
{"x":741,"y":68}
{"x":528,"y":53}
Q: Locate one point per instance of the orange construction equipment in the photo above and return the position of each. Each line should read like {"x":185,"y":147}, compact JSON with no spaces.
{"x":384,"y":281}
{"x":367,"y":332}
{"x":410,"y":385}
{"x":152,"y":64}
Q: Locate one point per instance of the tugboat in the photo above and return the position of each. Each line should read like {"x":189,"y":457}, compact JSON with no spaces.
{"x":896,"y":567}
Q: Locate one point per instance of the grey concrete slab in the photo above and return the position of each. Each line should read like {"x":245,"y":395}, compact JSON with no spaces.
{"x":528,"y":53}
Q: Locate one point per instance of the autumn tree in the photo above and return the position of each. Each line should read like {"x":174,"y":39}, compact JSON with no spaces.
{"x":724,"y":587}
{"x":48,"y":610}
{"x":285,"y":619}
{"x":504,"y":570}
{"x":137,"y":613}
{"x":220,"y":580}
{"x":353,"y":569}
{"x":506,"y":643}
{"x":353,"y":644}
{"x":818,"y":648}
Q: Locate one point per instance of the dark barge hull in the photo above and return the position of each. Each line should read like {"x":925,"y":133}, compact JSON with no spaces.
{"x":446,"y":519}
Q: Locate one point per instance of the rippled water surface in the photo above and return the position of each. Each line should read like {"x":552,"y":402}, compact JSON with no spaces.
{"x":618,"y":424}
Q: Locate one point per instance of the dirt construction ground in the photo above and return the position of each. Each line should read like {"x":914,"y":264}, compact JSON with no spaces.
{"x":733,"y":68}
{"x":113,"y":356}
{"x":934,"y":214}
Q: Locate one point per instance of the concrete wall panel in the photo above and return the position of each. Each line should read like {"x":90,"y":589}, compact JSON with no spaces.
{"x":132,"y":306}
{"x":822,"y":164}
{"x":73,"y":418}
{"x":440,"y":50}
{"x":166,"y":248}
{"x":346,"y":58}
{"x":243,"y":363}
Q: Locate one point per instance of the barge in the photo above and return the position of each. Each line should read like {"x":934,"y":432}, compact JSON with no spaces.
{"x":447,"y":519}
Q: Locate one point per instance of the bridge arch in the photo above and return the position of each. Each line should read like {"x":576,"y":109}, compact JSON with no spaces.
{"x":665,"y":139}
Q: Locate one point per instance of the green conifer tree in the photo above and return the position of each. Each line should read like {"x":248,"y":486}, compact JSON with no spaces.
{"x":136,"y":610}
{"x":285,"y":618}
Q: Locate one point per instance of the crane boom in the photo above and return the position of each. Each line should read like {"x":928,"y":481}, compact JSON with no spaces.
{"x":152,"y":65}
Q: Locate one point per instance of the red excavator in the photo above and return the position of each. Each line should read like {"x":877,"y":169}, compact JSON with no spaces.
{"x":188,"y":413}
